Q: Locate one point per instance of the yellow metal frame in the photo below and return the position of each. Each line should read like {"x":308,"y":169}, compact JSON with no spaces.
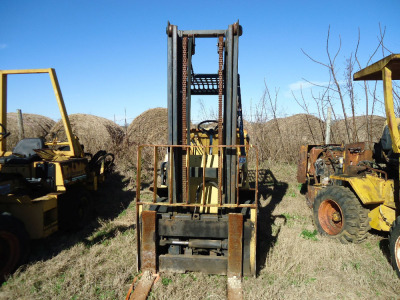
{"x":204,"y":205}
{"x":75,"y":149}
{"x":387,"y":69}
{"x":373,"y":189}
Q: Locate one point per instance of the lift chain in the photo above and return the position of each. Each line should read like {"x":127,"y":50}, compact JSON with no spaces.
{"x":184,"y":121}
{"x":220,"y":91}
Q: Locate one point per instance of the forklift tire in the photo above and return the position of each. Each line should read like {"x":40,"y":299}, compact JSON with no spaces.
{"x":394,"y":245}
{"x":14,"y":244}
{"x":75,"y":209}
{"x":338,"y":213}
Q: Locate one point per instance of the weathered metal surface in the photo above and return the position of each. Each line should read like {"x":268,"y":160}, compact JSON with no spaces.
{"x":201,"y":205}
{"x":330,"y":217}
{"x":371,"y":189}
{"x":234,"y":289}
{"x":143,"y":287}
{"x":374,"y":71}
{"x":202,"y":33}
{"x":235,"y":245}
{"x":389,"y":107}
{"x":204,"y":170}
{"x":193,"y":263}
{"x":355,"y":153}
{"x":315,"y":152}
{"x":155,"y":174}
{"x":249,"y":246}
{"x":220,"y":116}
{"x":193,"y":228}
{"x":302,"y":165}
{"x":312,"y":192}
{"x":149,"y":247}
{"x":382,"y":217}
{"x":184,"y":141}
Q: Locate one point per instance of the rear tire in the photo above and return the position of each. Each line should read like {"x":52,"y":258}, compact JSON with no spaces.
{"x":394,"y":245}
{"x":75,"y":209}
{"x":14,"y":244}
{"x":339,"y":214}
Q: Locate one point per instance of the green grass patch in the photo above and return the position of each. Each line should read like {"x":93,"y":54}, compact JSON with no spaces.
{"x":309,"y":235}
{"x":166,"y":281}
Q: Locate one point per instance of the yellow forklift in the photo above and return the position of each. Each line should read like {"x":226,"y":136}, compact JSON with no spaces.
{"x":353,"y":188}
{"x":43,"y":185}
{"x":202,"y":215}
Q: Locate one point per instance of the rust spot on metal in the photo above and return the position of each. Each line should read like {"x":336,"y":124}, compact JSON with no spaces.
{"x":148,"y":253}
{"x":355,"y":153}
{"x":311,"y":194}
{"x":234,"y":289}
{"x":235,"y":245}
{"x":314,"y":154}
{"x":302,"y":165}
{"x":143,"y":287}
{"x":330,"y":217}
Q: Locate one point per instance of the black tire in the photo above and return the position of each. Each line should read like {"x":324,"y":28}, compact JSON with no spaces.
{"x":75,"y":209}
{"x":394,"y":245}
{"x":14,"y":244}
{"x":338,"y":213}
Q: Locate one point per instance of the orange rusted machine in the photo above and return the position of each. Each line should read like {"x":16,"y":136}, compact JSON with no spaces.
{"x":353,"y":188}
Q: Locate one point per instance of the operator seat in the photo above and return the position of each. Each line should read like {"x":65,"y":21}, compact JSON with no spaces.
{"x":24,"y":153}
{"x":383,"y":152}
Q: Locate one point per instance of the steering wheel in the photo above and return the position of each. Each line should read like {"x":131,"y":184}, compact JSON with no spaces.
{"x":3,"y":133}
{"x":208,"y":131}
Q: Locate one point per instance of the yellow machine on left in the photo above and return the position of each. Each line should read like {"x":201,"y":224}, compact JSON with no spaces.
{"x":43,"y":185}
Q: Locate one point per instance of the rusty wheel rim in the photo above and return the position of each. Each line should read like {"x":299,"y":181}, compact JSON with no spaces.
{"x":397,"y":252}
{"x":330,"y":217}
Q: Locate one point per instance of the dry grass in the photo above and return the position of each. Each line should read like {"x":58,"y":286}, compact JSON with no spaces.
{"x":34,"y":126}
{"x":95,"y":133}
{"x":99,"y":262}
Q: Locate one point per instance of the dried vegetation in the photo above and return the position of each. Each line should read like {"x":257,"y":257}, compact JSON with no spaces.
{"x":99,"y":262}
{"x":34,"y":126}
{"x":95,"y":133}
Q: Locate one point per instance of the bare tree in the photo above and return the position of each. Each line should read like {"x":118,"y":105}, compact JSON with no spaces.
{"x":331,"y":66}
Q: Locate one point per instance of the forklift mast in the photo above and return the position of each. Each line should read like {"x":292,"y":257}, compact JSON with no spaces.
{"x":203,"y":215}
{"x":183,"y":83}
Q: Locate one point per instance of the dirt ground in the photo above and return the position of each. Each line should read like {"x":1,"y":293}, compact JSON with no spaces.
{"x":294,"y":262}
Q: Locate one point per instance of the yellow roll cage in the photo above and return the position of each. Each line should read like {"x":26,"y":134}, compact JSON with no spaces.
{"x":75,"y":149}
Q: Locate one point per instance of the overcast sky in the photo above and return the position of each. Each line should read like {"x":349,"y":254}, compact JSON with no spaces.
{"x":110,"y":56}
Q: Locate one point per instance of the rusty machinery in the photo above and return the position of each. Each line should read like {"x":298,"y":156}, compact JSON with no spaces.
{"x":43,"y":185}
{"x":355,"y":187}
{"x":202,"y":215}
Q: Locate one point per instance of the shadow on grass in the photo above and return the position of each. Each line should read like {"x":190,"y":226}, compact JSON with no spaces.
{"x":270,"y":194}
{"x":111,"y":199}
{"x":383,"y":244}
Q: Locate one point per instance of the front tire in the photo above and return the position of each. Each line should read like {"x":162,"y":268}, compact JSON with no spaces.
{"x":14,"y":244}
{"x":394,"y":245}
{"x":339,"y":214}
